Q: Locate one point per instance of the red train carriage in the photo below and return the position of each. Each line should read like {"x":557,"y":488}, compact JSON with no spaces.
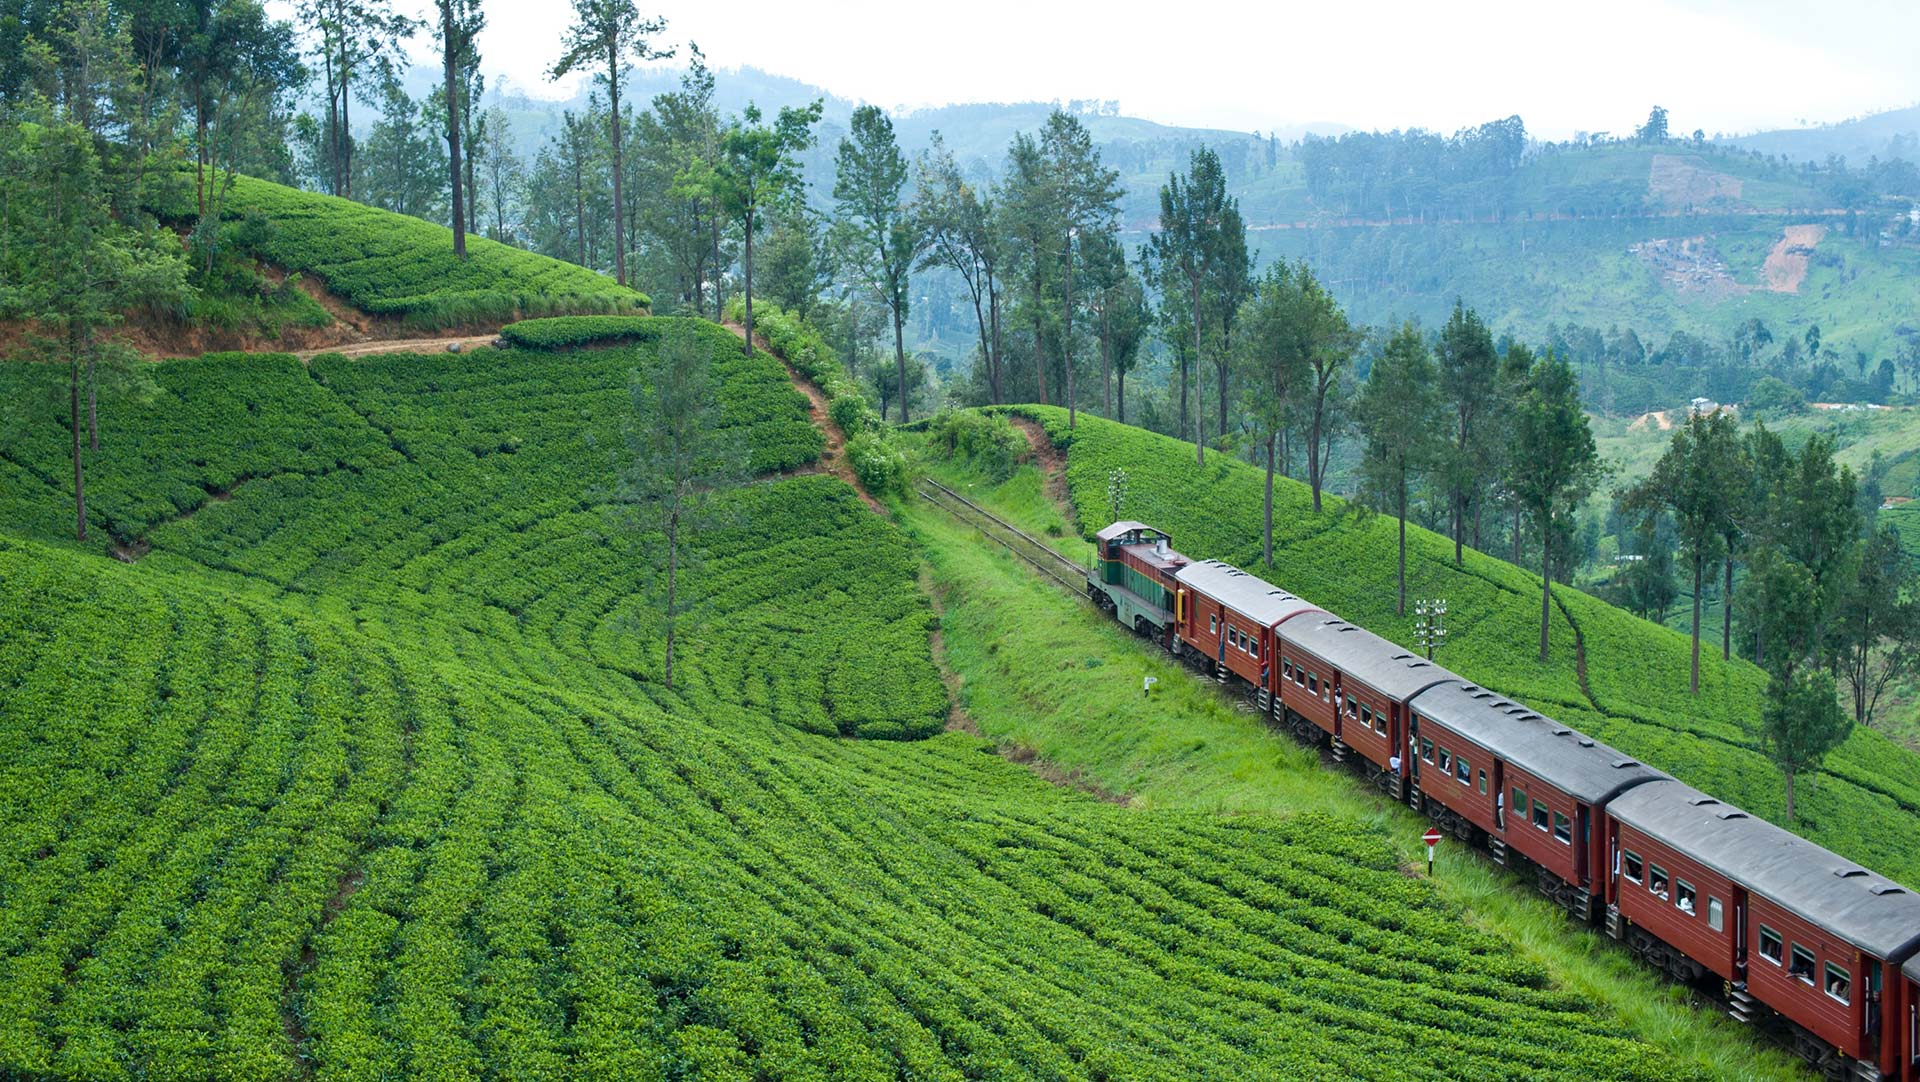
{"x":1227,"y":616}
{"x":1910,"y":1054}
{"x":1134,"y":578}
{"x":1802,"y":931}
{"x":1353,"y":685}
{"x":1534,"y":787}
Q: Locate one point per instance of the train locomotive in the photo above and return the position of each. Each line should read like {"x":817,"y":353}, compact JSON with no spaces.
{"x":1789,"y":934}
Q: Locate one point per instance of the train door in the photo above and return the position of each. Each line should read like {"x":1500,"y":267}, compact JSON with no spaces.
{"x":1500,"y":795}
{"x":1582,"y":845}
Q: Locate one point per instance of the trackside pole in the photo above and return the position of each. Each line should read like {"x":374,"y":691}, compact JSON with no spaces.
{"x":1432,"y":838}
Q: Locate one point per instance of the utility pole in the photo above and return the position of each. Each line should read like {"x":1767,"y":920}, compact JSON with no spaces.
{"x":1430,"y":624}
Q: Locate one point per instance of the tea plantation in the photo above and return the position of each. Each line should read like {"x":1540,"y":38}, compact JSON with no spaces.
{"x":364,"y":770}
{"x":395,"y":265}
{"x":1634,"y":690}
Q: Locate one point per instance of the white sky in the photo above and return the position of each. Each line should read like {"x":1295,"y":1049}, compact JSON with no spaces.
{"x":1720,"y":65}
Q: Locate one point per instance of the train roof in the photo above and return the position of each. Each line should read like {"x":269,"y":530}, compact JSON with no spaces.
{"x":1380,"y":664}
{"x":1819,"y":886}
{"x":1127,"y":526}
{"x":1578,"y":765}
{"x":1913,"y":968}
{"x":1242,"y":592}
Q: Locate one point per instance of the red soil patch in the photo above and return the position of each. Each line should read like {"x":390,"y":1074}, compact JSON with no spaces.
{"x":1786,"y":266}
{"x":1053,"y":464}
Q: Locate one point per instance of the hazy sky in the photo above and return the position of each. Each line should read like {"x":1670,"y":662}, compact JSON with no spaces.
{"x":1720,"y":65}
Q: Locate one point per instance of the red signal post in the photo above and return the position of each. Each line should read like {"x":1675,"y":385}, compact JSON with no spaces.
{"x":1432,"y":838}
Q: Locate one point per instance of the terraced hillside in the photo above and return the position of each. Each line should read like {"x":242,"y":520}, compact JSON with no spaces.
{"x":399,"y":267}
{"x":361,"y":769}
{"x":1617,"y":677}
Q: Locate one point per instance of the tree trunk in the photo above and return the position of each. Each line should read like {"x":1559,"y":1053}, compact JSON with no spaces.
{"x":1546,"y":584}
{"x":1516,"y":535}
{"x":344,"y":186}
{"x":1106,"y":364}
{"x":579,"y":205}
{"x":1120,"y":381}
{"x":986,"y":355}
{"x":1459,"y":514}
{"x":451,"y":63}
{"x":1313,"y":448}
{"x":1066,"y":340}
{"x":1199,"y":422}
{"x":748,"y":265}
{"x":1790,"y":811}
{"x":1726,"y":613}
{"x":673,"y":570}
{"x":79,"y":474}
{"x":1267,"y":522}
{"x":1402,"y":514}
{"x":1039,"y":348}
{"x":900,"y":361}
{"x":994,"y":373}
{"x":93,"y":408}
{"x":1699,"y":569}
{"x":619,"y":192}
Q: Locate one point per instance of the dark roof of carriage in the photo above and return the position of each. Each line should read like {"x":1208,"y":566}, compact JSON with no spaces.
{"x":1820,"y":886}
{"x":1572,"y":762}
{"x":1127,"y":526}
{"x":1254,"y":597}
{"x":1387,"y":668}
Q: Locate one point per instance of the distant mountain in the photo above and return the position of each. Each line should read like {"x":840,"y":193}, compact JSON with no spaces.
{"x":1892,"y":134}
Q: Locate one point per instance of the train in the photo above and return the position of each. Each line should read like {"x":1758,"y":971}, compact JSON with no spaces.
{"x":1786,"y":933}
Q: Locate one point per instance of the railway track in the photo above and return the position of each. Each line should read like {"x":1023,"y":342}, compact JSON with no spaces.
{"x":1035,"y":552}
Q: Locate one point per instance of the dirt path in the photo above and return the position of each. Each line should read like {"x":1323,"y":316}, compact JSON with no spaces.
{"x":833,"y":458}
{"x":400,"y":345}
{"x":1053,"y":464}
{"x":1786,"y":266}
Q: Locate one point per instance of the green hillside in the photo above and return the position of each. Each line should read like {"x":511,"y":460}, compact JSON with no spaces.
{"x":1632,"y":693}
{"x":363,"y":770}
{"x":394,"y":265}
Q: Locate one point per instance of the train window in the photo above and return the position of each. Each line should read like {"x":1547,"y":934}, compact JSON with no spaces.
{"x":1426,"y":750}
{"x":1540,"y":815}
{"x":1213,"y":624}
{"x":1714,"y":919}
{"x":1520,"y":804}
{"x":1463,"y":770}
{"x":1483,"y":783}
{"x":1253,"y":647}
{"x":1769,"y":944}
{"x":1562,"y":829}
{"x":1683,"y":896}
{"x":1446,"y":761}
{"x":1380,"y":724}
{"x":1313,"y":683}
{"x":1286,"y":669}
{"x":1632,"y":867}
{"x":1802,"y":964}
{"x":1657,"y":880}
{"x":1839,"y":983}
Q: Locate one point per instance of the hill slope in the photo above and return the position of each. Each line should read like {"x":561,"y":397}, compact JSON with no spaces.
{"x":364,"y":770}
{"x":1614,"y":676}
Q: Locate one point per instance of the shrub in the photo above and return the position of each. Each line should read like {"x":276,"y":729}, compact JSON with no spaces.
{"x":881,"y":468}
{"x":852,"y":414}
{"x":985,"y":441}
{"x":568,"y":332}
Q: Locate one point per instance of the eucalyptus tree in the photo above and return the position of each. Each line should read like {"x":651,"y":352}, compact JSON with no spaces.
{"x":869,"y":192}
{"x":236,"y":65}
{"x":1554,"y":463}
{"x":610,"y":34}
{"x":348,"y":36}
{"x":1276,"y":364}
{"x":1469,"y":384}
{"x":677,"y":144}
{"x":960,"y":234}
{"x":1117,"y":304}
{"x":758,"y":169}
{"x":1326,"y":341}
{"x":1026,"y":213}
{"x":1086,"y":199}
{"x":1878,"y":617}
{"x":1199,"y":227}
{"x":1400,"y":418}
{"x":459,"y":24}
{"x":1694,"y":483}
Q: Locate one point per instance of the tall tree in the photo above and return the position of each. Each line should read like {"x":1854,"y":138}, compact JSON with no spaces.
{"x":678,"y":458}
{"x":347,"y":36}
{"x":81,"y":269}
{"x":1401,"y":419}
{"x":1691,"y":482}
{"x":611,"y":35}
{"x":1196,"y":218}
{"x":1087,"y":200}
{"x":757,"y":169}
{"x":1277,"y":367}
{"x":680,"y":222}
{"x":1326,"y":344}
{"x":1115,"y":301}
{"x":1469,"y":370}
{"x":1800,"y":723}
{"x":1554,"y":464}
{"x":869,"y":192}
{"x":1878,"y":621}
{"x":1027,"y":214}
{"x":460,"y":24}
{"x":960,"y":236}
